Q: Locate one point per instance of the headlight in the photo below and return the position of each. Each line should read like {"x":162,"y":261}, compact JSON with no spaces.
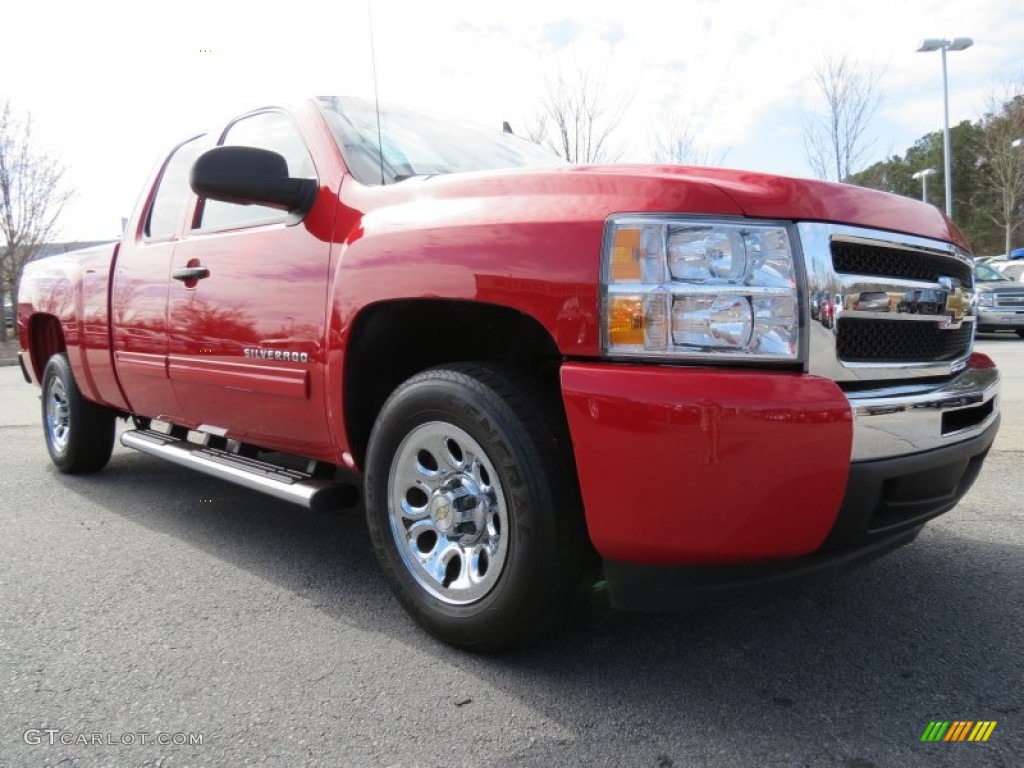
{"x":698,"y":288}
{"x":986,"y":299}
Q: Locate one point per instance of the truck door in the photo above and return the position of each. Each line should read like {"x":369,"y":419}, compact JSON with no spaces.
{"x":139,"y":287}
{"x":247,"y":311}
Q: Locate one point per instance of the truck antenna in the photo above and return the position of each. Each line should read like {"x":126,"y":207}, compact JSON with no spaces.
{"x":376,"y":98}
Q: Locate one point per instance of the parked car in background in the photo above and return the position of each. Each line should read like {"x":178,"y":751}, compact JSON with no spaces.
{"x":8,"y":311}
{"x":1011,"y":269}
{"x":926,"y":302}
{"x":1000,"y":301}
{"x":873,"y":301}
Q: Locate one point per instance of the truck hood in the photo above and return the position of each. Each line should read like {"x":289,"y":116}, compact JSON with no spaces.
{"x":765,"y":196}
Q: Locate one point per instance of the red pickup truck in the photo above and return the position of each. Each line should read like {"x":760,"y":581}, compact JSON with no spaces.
{"x":538,"y":374}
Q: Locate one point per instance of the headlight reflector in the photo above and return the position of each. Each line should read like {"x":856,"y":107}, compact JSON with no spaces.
{"x":698,"y":287}
{"x":712,"y":322}
{"x":705,"y":254}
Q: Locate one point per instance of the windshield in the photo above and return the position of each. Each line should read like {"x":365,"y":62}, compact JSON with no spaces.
{"x":989,"y":275}
{"x":419,"y":144}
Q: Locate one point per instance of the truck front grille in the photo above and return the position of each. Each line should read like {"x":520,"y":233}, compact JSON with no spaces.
{"x":880,"y":261}
{"x":1010,"y":299}
{"x":885,"y":306}
{"x":893,"y":341}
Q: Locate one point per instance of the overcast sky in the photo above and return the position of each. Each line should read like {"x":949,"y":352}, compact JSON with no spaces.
{"x":113,"y":85}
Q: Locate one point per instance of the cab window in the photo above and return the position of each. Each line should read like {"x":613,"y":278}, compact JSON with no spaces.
{"x":264,"y":130}
{"x":172,"y":193}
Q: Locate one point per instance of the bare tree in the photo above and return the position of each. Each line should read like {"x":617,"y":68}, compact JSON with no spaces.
{"x":673,"y":143}
{"x":32,"y":196}
{"x":835,"y":141}
{"x":578,"y":116}
{"x":537,"y":129}
{"x":1003,"y":162}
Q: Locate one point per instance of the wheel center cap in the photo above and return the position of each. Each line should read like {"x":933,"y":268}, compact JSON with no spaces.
{"x":458,"y":509}
{"x":441,"y":512}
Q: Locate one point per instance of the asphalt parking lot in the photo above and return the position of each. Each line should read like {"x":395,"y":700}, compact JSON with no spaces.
{"x":150,"y":604}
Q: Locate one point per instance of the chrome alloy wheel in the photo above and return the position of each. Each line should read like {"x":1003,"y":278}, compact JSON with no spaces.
{"x":448,"y":513}
{"x":58,"y":415}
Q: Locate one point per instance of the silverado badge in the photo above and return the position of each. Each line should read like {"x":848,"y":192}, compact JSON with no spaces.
{"x":258,"y":353}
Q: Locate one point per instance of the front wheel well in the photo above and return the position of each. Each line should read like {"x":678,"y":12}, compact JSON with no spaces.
{"x":393,"y":341}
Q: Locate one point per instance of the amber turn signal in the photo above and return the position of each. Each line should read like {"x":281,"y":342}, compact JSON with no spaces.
{"x":625,"y":261}
{"x":626,"y":322}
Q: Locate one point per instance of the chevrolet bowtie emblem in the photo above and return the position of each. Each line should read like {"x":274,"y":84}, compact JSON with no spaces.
{"x":956,"y":304}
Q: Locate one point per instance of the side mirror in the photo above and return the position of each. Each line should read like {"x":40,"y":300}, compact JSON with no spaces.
{"x":250,"y":176}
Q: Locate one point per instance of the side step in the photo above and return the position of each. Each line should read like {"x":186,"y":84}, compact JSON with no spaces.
{"x":317,"y":494}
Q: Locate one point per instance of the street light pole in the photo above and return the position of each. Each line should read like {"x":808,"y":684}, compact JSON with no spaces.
{"x":923,"y":176}
{"x":947,"y":149}
{"x":943,"y":45}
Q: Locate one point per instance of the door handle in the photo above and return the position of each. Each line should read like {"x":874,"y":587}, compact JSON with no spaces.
{"x":190,"y":273}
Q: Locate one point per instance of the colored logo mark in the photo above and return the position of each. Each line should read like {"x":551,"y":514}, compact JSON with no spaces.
{"x":959,"y":730}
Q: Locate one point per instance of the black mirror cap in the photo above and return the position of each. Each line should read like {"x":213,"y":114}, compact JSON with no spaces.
{"x":250,"y":176}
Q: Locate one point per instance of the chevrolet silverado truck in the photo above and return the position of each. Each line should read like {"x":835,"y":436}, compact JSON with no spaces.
{"x":672,"y":382}
{"x":1000,"y":301}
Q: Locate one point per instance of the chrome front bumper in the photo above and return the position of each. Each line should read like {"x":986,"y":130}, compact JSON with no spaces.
{"x":1000,"y":317}
{"x":912,"y":418}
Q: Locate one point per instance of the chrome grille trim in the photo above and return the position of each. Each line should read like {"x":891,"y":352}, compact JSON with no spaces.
{"x":1006,"y":299}
{"x":894,"y":299}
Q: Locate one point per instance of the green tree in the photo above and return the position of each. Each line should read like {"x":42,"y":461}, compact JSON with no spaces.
{"x":988,"y":172}
{"x":971,"y":198}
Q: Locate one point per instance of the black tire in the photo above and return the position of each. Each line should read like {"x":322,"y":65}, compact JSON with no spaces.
{"x":1021,"y":334}
{"x":79,"y":434}
{"x":517,"y":483}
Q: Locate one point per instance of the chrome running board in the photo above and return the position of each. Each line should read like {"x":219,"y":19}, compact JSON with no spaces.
{"x":317,"y":494}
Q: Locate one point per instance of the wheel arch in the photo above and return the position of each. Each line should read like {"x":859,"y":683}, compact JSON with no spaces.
{"x":392,"y":341}
{"x":45,"y":339}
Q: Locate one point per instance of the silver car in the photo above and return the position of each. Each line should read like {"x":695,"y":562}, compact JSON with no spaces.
{"x":1000,"y":301}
